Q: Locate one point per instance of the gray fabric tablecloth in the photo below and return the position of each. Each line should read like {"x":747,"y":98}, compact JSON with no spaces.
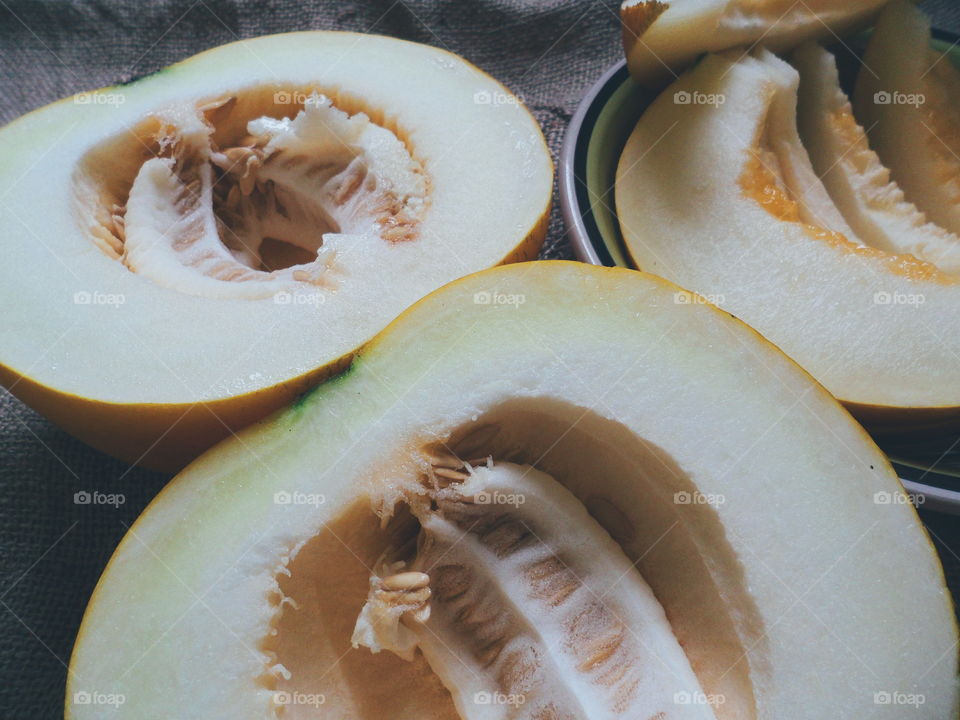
{"x":53,"y":550}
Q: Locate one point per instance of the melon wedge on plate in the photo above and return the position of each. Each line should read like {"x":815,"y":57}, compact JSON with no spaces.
{"x":906,"y":96}
{"x":662,"y":39}
{"x":486,"y":518}
{"x":718,"y":195}
{"x":870,"y":201}
{"x":191,"y":251}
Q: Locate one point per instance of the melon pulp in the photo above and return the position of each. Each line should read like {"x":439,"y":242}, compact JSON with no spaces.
{"x":490,"y":503}
{"x":193,"y":250}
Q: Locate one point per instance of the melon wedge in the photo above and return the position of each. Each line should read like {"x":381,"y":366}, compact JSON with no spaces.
{"x":871,"y":203}
{"x":192,"y":251}
{"x":497,"y":510}
{"x":906,"y":95}
{"x":661,"y":39}
{"x":721,"y":198}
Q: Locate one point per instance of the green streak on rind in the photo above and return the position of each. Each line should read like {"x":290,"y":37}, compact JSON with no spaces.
{"x":302,"y":400}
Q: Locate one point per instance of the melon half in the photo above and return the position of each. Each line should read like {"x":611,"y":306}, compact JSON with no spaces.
{"x":486,"y":518}
{"x":719,"y":195}
{"x":193,"y":250}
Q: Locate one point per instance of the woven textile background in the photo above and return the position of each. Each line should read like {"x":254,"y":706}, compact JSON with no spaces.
{"x":52,"y":550}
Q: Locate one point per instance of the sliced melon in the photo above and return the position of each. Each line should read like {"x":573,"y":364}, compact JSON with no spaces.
{"x":859,"y":184}
{"x":662,"y":39}
{"x":721,"y":199}
{"x":191,"y":251}
{"x":906,"y":96}
{"x":486,"y":518}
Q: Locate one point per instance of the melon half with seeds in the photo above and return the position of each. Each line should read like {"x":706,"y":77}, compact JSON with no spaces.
{"x":188,"y":252}
{"x":486,"y":518}
{"x":719,"y":195}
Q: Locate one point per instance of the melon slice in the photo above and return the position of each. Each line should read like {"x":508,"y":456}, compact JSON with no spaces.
{"x":859,"y":184}
{"x":486,"y":518}
{"x":906,"y":96}
{"x":661,"y":39}
{"x":721,"y":199}
{"x":191,"y":251}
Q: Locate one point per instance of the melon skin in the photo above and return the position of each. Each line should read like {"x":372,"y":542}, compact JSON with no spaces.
{"x":161,"y":437}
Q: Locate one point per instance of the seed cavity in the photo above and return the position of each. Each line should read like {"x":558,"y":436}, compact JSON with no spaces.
{"x":523,"y":605}
{"x":225,"y":200}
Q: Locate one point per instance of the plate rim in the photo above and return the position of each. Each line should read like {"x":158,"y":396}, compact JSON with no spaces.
{"x":573,"y":152}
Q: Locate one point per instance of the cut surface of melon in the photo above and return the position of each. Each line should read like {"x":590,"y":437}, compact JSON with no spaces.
{"x":722,"y":199}
{"x":190,"y":251}
{"x":524,"y":529}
